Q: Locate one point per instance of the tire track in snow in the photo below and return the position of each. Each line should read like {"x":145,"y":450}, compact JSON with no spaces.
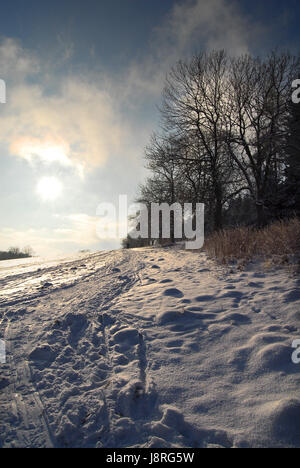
{"x":28,"y":423}
{"x":23,"y":401}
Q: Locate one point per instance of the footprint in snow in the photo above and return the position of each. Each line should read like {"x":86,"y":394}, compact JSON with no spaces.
{"x":204,"y":298}
{"x":173,"y":292}
{"x":46,"y":285}
{"x":174,"y":344}
{"x":235,"y":318}
{"x":237,"y":296}
{"x":292,"y":296}
{"x":42,"y":356}
{"x":258,"y":275}
{"x":4,"y":383}
{"x":256,"y":284}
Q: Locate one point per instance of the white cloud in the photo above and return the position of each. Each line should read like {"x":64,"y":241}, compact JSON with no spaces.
{"x":86,"y":229}
{"x":213,"y":25}
{"x":81,"y":119}
{"x":79,"y":125}
{"x":16,"y":62}
{"x":80,"y":229}
{"x":191,"y":26}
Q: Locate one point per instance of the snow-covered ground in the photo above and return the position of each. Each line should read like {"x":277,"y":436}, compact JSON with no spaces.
{"x":148,"y":348}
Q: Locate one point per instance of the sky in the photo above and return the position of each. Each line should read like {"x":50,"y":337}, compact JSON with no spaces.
{"x":83,"y":85}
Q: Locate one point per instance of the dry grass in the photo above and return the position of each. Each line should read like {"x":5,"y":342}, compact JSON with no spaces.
{"x":279,"y":240}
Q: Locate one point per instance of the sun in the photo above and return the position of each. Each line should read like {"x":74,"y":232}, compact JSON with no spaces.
{"x":49,"y":188}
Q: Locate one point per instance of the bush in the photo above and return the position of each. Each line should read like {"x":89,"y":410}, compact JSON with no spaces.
{"x":279,"y":239}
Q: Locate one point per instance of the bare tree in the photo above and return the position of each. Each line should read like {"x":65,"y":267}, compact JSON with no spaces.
{"x":292,"y":183}
{"x":194,"y":108}
{"x":229,"y":137}
{"x":260,"y":92}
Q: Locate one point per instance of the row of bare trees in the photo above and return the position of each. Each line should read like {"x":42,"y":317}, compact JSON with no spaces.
{"x":16,"y":252}
{"x":229,"y":138}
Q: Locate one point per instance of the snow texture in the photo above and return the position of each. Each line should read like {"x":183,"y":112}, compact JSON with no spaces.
{"x":148,"y":348}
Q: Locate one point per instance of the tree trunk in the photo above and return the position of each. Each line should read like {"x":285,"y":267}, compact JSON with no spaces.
{"x":260,"y":214}
{"x":218,"y":212}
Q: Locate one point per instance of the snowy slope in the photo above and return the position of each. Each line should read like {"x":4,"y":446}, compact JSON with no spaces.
{"x":149,"y":348}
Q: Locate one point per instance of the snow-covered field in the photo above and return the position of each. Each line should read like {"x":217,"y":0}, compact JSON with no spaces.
{"x":148,"y":348}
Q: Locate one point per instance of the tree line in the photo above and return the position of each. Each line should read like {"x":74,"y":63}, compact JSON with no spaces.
{"x":16,"y":252}
{"x":229,"y":138}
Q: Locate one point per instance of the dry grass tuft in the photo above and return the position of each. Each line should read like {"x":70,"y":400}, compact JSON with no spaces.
{"x":280,"y":240}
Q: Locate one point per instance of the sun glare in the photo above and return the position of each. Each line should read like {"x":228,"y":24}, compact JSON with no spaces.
{"x":49,"y":188}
